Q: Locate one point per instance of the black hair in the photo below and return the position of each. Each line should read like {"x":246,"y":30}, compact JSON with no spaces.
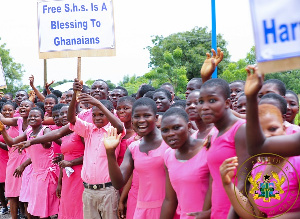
{"x":238,"y":81}
{"x":123,"y":89}
{"x":282,"y":102}
{"x":166,"y":92}
{"x":179,"y":104}
{"x":293,"y":93}
{"x":145,"y":101}
{"x":133,"y":95}
{"x":14,"y":105}
{"x":102,"y":81}
{"x":57,"y":93}
{"x":176,"y":112}
{"x":198,"y":80}
{"x":149,"y":94}
{"x":108,"y":104}
{"x":2,"y":99}
{"x":194,"y":91}
{"x":27,"y":100}
{"x":127,"y":99}
{"x":177,"y":98}
{"x":144,"y":89}
{"x":58,"y":106}
{"x":41,"y":106}
{"x":217,"y":82}
{"x":45,"y":92}
{"x":52,"y":96}
{"x":279,"y":84}
{"x":160,"y":113}
{"x":167,"y":84}
{"x":39,"y":109}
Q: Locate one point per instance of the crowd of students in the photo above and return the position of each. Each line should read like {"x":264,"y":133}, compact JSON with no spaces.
{"x":94,"y":153}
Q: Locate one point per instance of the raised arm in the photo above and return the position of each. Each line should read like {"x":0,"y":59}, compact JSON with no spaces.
{"x":285,"y":145}
{"x":47,"y":85}
{"x":9,"y":140}
{"x":115,"y":122}
{"x":72,"y":110}
{"x":210,"y":64}
{"x":37,"y":92}
{"x":118,"y":175}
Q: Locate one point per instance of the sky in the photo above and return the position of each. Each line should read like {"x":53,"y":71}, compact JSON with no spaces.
{"x":136,"y":22}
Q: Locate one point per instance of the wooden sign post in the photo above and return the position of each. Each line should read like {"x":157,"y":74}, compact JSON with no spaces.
{"x":276,"y":26}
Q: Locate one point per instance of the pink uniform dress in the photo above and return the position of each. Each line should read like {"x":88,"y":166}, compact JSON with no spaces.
{"x":289,"y":202}
{"x":223,"y":147}
{"x":123,"y":147}
{"x":13,"y":184}
{"x":152,"y":177}
{"x":56,"y":147}
{"x":291,"y":128}
{"x":71,"y":206}
{"x":189,"y":179}
{"x":43,"y":183}
{"x":3,"y":162}
{"x":26,"y":176}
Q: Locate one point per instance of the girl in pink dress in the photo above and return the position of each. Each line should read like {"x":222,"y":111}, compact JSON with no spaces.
{"x":287,"y":203}
{"x":43,"y":201}
{"x":130,"y":190}
{"x":145,"y":156}
{"x":214,"y":107}
{"x":24,"y":169}
{"x":186,"y":164}
{"x":69,"y":188}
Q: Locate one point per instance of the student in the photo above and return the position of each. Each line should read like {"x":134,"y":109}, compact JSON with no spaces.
{"x":286,"y":145}
{"x":49,"y":102}
{"x":128,"y":198}
{"x":241,"y":104}
{"x":203,"y":129}
{"x":100,"y":199}
{"x":143,"y":89}
{"x":169,"y":87}
{"x":12,"y":184}
{"x":144,"y":155}
{"x":214,"y":107}
{"x":271,"y":122}
{"x":43,"y":180}
{"x":70,"y":187}
{"x":185,"y":164}
{"x":235,"y":88}
{"x":292,"y":106}
{"x":193,"y":84}
{"x":20,"y":96}
{"x":272,"y":86}
{"x":163,"y":99}
{"x":116,"y":94}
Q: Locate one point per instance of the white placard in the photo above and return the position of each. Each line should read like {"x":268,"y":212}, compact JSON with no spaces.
{"x":276,"y":25}
{"x":2,"y":76}
{"x":75,"y":25}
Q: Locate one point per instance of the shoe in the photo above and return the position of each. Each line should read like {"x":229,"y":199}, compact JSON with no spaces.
{"x":4,"y":211}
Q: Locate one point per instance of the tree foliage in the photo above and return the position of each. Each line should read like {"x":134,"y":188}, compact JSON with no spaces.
{"x":13,"y":71}
{"x":133,"y":83}
{"x":194,"y":45}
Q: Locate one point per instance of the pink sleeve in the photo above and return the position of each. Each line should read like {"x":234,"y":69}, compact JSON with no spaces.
{"x":81,"y":127}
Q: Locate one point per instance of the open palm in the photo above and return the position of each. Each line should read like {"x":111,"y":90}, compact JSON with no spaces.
{"x":111,"y":139}
{"x":254,"y":81}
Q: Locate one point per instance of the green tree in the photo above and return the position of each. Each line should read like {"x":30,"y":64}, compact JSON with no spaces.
{"x":194,"y":45}
{"x":133,"y":83}
{"x":172,"y":71}
{"x":13,"y":71}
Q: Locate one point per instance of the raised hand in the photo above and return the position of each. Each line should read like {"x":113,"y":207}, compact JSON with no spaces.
{"x":47,"y":85}
{"x":31,"y":96}
{"x":21,"y":146}
{"x":111,"y":139}
{"x":254,"y":81}
{"x":227,"y":170}
{"x":77,"y":86}
{"x":210,"y":64}
{"x":31,"y":80}
{"x":87,"y":99}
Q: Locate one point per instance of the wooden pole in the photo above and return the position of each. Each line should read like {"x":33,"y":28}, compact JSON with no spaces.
{"x":45,"y":71}
{"x":79,"y":68}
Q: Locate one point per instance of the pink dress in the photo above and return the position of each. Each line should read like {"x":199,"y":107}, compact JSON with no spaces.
{"x":222,"y":148}
{"x":189,"y":179}
{"x":152,"y":177}
{"x":123,"y":147}
{"x":3,"y":162}
{"x":13,"y":184}
{"x":71,"y":206}
{"x":291,"y":128}
{"x":26,"y":176}
{"x":289,"y":200}
{"x":56,"y":147}
{"x":43,"y":201}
